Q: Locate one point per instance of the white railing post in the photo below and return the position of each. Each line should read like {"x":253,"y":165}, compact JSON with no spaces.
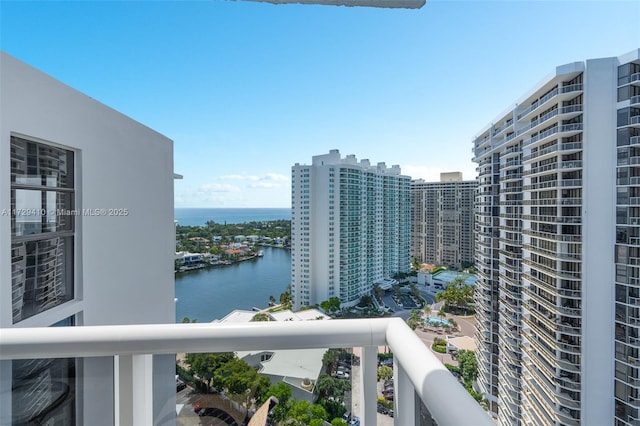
{"x":142,"y":389}
{"x":404,"y":412}
{"x":133,"y":389}
{"x":368,"y":385}
{"x":122,"y":390}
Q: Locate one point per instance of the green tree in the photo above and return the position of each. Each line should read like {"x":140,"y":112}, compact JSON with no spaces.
{"x":413,"y":290}
{"x":457,"y":296}
{"x":187,"y":320}
{"x":238,"y":378}
{"x":468,"y":365}
{"x":285,"y":298}
{"x":260,"y":317}
{"x":453,"y":323}
{"x":415,"y":264}
{"x":338,"y":422}
{"x":334,"y":409}
{"x":272,"y":300}
{"x":331,"y":358}
{"x":331,"y":305}
{"x":366,"y":300}
{"x":378,"y":292}
{"x":397,"y":291}
{"x":283,"y":393}
{"x":427,"y":310}
{"x":303,"y":413}
{"x":205,"y":364}
{"x":415,"y":319}
{"x":330,"y":387}
{"x":385,"y":373}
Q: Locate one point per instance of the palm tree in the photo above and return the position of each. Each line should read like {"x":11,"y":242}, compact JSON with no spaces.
{"x":427,"y":310}
{"x":454,"y":324}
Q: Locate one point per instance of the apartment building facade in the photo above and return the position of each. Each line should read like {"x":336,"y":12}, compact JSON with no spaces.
{"x":350,"y":227}
{"x":79,"y":182}
{"x":442,"y":220}
{"x":556,"y":248}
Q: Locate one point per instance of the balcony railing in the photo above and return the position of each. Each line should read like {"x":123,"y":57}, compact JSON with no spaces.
{"x":416,"y":369}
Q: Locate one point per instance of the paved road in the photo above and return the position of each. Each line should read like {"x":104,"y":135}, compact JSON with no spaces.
{"x":403,"y":313}
{"x":383,"y":420}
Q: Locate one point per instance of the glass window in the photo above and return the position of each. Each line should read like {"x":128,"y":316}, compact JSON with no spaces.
{"x":623,"y":117}
{"x":624,"y":93}
{"x":42,"y":227}
{"x":43,"y":392}
{"x":623,"y":136}
{"x":624,"y":72}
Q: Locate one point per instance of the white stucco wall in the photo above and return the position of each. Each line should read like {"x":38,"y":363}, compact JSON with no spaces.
{"x":123,"y":265}
{"x":598,"y":234}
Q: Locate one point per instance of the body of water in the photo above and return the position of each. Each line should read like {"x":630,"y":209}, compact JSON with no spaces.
{"x":199,"y":217}
{"x":212,"y":293}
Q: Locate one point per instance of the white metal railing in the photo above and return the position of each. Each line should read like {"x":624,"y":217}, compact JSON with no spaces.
{"x":416,"y":369}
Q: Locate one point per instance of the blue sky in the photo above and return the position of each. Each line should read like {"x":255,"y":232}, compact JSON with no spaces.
{"x":246,"y":90}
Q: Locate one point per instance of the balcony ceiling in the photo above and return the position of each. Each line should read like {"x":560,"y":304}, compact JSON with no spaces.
{"x":390,"y":4}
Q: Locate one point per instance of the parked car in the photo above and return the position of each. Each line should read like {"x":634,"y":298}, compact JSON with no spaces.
{"x":342,"y":375}
{"x":382,"y":409}
{"x":355,"y":421}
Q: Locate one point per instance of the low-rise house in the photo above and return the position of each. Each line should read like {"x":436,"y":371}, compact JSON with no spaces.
{"x":299,"y":368}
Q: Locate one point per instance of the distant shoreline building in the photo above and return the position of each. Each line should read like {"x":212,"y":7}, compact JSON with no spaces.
{"x":558,"y":249}
{"x":442,"y":225}
{"x":350,"y":228}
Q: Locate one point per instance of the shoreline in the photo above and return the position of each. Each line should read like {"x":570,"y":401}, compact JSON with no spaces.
{"x":215,"y":264}
{"x":221,"y":263}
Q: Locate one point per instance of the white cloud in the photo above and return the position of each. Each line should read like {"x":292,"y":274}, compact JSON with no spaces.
{"x":276,"y":176}
{"x":237,"y":190}
{"x":239,"y":177}
{"x":217,"y":187}
{"x":263,"y":184}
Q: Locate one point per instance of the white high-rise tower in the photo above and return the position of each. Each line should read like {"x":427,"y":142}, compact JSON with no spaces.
{"x":558,"y":249}
{"x":350,"y":227}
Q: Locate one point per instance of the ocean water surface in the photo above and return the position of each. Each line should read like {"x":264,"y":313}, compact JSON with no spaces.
{"x":200,"y":216}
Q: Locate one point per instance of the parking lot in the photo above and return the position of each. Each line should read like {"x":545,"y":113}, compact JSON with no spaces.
{"x":383,"y":420}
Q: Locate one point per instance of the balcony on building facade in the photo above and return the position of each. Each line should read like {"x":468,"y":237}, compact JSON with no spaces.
{"x":562,"y":147}
{"x":565,"y":129}
{"x":416,"y":370}
{"x":557,"y":93}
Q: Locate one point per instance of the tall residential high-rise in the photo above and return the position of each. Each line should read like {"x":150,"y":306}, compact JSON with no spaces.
{"x":350,"y":227}
{"x":442,"y":216}
{"x":86,"y":199}
{"x":558,"y":249}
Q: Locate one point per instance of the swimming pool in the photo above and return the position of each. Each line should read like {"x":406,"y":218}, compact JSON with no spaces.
{"x":436,"y":321}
